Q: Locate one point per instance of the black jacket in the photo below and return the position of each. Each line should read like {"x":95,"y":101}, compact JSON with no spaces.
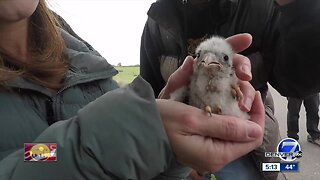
{"x":166,"y":33}
{"x":297,"y":63}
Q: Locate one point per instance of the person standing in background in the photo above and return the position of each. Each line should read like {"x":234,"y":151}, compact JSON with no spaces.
{"x":311,"y":104}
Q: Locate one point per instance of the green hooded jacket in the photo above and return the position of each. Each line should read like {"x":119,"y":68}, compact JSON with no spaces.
{"x":101,"y":131}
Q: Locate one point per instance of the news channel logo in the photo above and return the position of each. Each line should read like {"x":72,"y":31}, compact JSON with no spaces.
{"x":288,"y":149}
{"x":40,"y":152}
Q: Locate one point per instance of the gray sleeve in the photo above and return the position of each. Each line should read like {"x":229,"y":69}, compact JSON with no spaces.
{"x":117,"y":136}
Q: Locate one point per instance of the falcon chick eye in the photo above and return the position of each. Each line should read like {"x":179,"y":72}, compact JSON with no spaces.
{"x":198,"y":55}
{"x":226,"y":58}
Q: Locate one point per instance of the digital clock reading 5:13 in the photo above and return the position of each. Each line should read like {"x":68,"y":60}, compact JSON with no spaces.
{"x":270,"y":166}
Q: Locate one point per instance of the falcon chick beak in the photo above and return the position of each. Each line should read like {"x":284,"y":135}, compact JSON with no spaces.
{"x":211,"y":62}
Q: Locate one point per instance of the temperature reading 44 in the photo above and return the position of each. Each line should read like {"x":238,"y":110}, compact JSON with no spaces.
{"x":289,"y":167}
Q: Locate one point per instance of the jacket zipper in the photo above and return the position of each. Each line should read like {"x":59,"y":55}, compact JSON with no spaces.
{"x":49,"y":111}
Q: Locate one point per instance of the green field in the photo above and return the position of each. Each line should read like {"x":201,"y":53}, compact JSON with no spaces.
{"x":126,"y":74}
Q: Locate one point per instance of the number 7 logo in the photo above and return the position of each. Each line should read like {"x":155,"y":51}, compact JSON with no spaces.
{"x":288,"y":149}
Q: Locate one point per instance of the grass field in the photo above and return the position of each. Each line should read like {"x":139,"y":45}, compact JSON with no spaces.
{"x":126,"y":74}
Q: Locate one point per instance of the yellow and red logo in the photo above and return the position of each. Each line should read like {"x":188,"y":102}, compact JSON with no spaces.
{"x":40,"y":152}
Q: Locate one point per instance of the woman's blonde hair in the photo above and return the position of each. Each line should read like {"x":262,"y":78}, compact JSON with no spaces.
{"x":47,"y":66}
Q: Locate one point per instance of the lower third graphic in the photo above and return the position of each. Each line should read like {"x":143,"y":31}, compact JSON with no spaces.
{"x":40,"y":152}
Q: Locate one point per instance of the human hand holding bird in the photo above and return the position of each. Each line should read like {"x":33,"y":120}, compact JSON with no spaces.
{"x":219,"y":134}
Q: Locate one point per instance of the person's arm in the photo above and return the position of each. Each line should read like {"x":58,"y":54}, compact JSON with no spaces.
{"x":297,"y":64}
{"x":150,"y":57}
{"x":118,"y":136}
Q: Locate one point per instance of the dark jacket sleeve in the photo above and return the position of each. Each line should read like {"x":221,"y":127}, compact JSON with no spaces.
{"x":117,"y":136}
{"x":297,"y":63}
{"x":150,"y":56}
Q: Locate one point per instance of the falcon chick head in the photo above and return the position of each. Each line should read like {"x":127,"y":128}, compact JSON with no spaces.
{"x":214,"y":56}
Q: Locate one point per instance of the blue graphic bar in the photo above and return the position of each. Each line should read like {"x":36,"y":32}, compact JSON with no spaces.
{"x":293,"y":167}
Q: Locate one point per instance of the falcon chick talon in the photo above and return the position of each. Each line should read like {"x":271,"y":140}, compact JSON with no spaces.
{"x":236,"y":92}
{"x":217,"y":109}
{"x":233,"y":93}
{"x":208,"y":110}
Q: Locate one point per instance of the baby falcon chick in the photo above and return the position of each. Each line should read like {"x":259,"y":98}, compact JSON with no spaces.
{"x":213,"y":86}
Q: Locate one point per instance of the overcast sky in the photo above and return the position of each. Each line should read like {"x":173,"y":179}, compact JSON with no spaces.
{"x":113,"y":27}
